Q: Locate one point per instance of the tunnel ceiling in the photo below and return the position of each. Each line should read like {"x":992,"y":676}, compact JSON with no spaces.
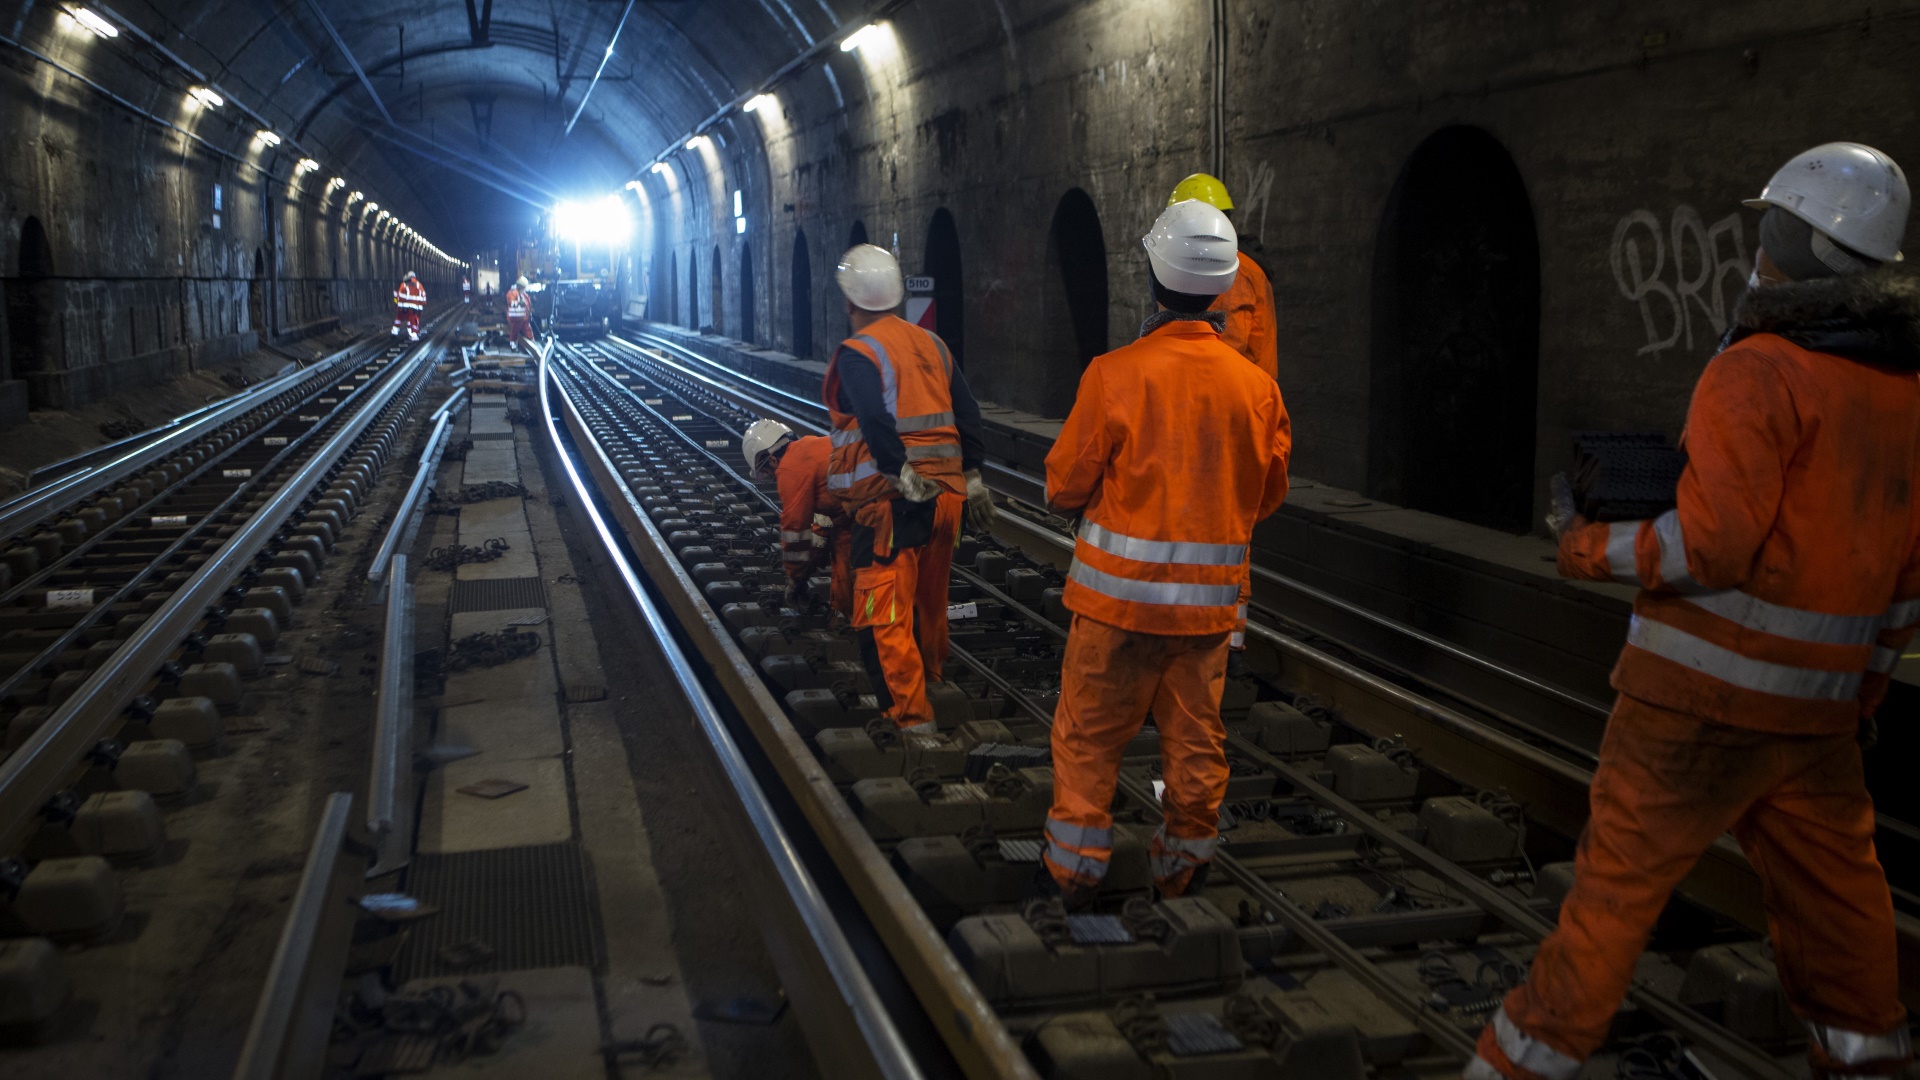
{"x":474,"y":98}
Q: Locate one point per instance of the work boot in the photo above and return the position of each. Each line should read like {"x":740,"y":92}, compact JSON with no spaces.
{"x":395,"y":332}
{"x":1237,"y":664}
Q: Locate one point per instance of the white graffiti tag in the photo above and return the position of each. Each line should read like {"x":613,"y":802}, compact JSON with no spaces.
{"x":1693,"y":284}
{"x":1252,"y":207}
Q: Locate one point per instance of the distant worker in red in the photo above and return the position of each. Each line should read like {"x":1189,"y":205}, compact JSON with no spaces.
{"x":409,"y":300}
{"x":813,"y":531}
{"x":1252,"y":330}
{"x":1174,"y":449}
{"x":905,"y":465}
{"x":466,"y":289}
{"x":1774,"y":603}
{"x":519,"y":313}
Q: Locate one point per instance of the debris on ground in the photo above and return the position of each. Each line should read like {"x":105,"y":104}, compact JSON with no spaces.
{"x":492,"y":789}
{"x":421,"y":1027}
{"x":488,"y":650}
{"x":453,"y":555}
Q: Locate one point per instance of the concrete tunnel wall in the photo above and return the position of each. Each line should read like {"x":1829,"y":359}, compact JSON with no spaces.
{"x":1633,"y":128}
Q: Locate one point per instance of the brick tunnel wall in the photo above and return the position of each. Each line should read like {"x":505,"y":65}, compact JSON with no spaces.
{"x":131,"y":253}
{"x":1633,"y":126}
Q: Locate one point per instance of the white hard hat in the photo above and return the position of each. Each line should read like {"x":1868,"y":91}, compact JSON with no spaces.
{"x":1849,"y":191}
{"x":522,"y":283}
{"x":762,"y":437}
{"x":870,"y":277}
{"x":411,"y":275}
{"x":1193,"y":249}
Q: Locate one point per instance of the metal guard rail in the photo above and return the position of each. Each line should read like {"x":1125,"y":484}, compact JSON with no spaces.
{"x":37,"y":770}
{"x":390,"y":781}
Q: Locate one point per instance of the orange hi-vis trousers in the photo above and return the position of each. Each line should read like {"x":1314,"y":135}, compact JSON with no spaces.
{"x":1109,"y":679}
{"x":1667,"y":786}
{"x":902,"y":556}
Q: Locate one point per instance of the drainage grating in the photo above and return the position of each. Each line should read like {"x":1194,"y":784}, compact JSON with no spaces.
{"x":497,"y":594}
{"x":531,"y":907}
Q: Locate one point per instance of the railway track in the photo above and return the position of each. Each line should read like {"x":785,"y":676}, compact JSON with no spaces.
{"x":1377,"y":891}
{"x":139,"y":592}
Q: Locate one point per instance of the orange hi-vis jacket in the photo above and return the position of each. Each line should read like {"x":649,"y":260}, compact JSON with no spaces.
{"x":410,"y":296}
{"x":1174,"y":449}
{"x":519,"y":304}
{"x":1252,"y":328}
{"x":1779,"y":593}
{"x":802,"y":479}
{"x":916,"y":372}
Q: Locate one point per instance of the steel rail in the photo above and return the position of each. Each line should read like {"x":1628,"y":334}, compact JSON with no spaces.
{"x":891,"y":1057}
{"x":37,"y":770}
{"x":293,"y":1018}
{"x":406,"y":517}
{"x":31,"y":507}
{"x":390,"y":778}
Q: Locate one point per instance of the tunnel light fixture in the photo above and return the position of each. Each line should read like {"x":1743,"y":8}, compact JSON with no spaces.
{"x":306,"y":165}
{"x":372,"y":206}
{"x":863,"y":36}
{"x":758,"y":102}
{"x":206,"y":96}
{"x":659,"y":168}
{"x":740,"y":225}
{"x":266,"y":138}
{"x":336,"y":183}
{"x":93,"y":22}
{"x":697,"y":142}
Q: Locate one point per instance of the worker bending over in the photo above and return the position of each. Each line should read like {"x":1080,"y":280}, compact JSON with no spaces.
{"x":1774,"y":602}
{"x":1254,"y":333}
{"x":905,"y":461}
{"x":812,"y":528}
{"x":466,"y":290}
{"x":519,"y":313}
{"x":409,"y":300}
{"x":1174,"y":449}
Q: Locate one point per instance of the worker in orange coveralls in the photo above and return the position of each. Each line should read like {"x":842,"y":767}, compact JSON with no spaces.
{"x":1174,"y":449}
{"x":409,"y":300}
{"x":812,"y":528}
{"x":906,"y":466}
{"x":1774,"y":602}
{"x":519,"y":313}
{"x":1253,"y":331}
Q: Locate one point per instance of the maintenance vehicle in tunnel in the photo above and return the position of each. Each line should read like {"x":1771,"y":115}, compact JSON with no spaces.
{"x":578,"y":308}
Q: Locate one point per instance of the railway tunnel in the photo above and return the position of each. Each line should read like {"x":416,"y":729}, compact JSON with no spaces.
{"x":402,"y":673}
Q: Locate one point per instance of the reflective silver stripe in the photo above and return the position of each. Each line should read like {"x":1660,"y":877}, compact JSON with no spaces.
{"x":841,"y":481}
{"x":922,"y":423}
{"x":1237,"y":639}
{"x":1673,"y":550}
{"x":795,"y":556}
{"x":846,"y":438}
{"x":1084,"y":866}
{"x":936,"y":450}
{"x":889,"y":382}
{"x":1481,"y":1069}
{"x":1240,"y":612}
{"x":1199,"y":849}
{"x":1884,"y":660}
{"x":1845,"y":1047}
{"x":1079,"y":836}
{"x":1769,"y":618}
{"x":1728,"y":666}
{"x":1153,"y":592}
{"x":1530,"y":1053}
{"x":1163,"y":551}
{"x":1903,"y":614}
{"x":794,"y":537}
{"x":1620,"y":537}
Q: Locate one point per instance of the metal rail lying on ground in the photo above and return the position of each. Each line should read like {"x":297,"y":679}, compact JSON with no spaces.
{"x":876,"y":1047}
{"x":390,"y":781}
{"x":293,"y":1019}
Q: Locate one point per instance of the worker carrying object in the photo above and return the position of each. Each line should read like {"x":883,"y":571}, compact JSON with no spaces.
{"x":1774,"y":603}
{"x":1252,"y":330}
{"x":466,"y":290}
{"x":409,"y":300}
{"x":519,"y":313}
{"x":906,"y":466}
{"x":813,"y":530}
{"x":1174,"y":449}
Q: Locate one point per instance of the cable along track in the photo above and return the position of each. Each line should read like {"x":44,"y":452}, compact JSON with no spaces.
{"x":1364,"y":917}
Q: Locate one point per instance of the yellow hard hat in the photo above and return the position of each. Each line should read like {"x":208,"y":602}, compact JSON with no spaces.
{"x":1206,"y":188}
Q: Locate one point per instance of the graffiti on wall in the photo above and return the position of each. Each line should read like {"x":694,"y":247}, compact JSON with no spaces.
{"x":1684,"y":274}
{"x":1251,"y":207}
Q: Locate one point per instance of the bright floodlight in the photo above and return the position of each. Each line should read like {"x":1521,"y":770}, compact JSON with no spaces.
{"x":206,"y":96}
{"x":758,"y":102}
{"x":862,"y":36}
{"x":603,"y":221}
{"x":93,"y":22}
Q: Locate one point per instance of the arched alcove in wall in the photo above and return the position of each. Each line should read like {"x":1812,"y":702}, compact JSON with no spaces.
{"x":802,"y":298}
{"x":257,"y":293}
{"x":943,"y":265}
{"x":693,"y":291}
{"x":30,"y":343}
{"x":857,"y":235}
{"x":672,"y":313}
{"x":1456,"y":336}
{"x":1074,"y":303}
{"x":747,"y":331}
{"x":716,"y":304}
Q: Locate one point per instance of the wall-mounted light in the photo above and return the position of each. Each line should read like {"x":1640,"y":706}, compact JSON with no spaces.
{"x":306,"y":165}
{"x":372,"y":206}
{"x":758,"y":102}
{"x":266,"y":138}
{"x":659,"y":168}
{"x":205,"y":96}
{"x":862,"y":36}
{"x":697,"y":142}
{"x":737,"y":208}
{"x":355,"y":197}
{"x":633,"y":185}
{"x":740,"y":225}
{"x":336,"y":183}
{"x":93,"y":22}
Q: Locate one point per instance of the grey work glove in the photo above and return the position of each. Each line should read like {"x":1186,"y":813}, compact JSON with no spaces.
{"x":914,"y":487}
{"x":980,"y":508}
{"x":1561,"y":510}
